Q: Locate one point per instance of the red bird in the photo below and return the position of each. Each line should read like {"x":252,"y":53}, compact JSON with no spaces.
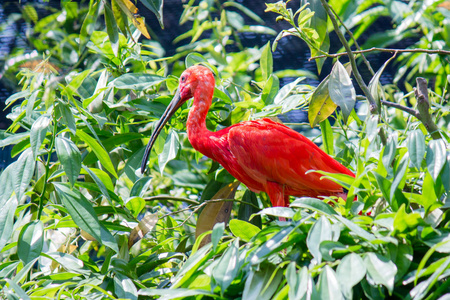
{"x":262,"y":154}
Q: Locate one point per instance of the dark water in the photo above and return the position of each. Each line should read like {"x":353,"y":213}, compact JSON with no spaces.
{"x":291,"y":53}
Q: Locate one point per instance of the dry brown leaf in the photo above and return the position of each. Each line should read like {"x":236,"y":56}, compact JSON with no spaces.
{"x":146,"y":225}
{"x":216,"y":212}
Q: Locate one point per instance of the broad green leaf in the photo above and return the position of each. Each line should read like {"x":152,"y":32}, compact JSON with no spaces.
{"x":136,"y":81}
{"x":193,"y":59}
{"x":23,"y":172}
{"x":70,"y":158}
{"x":321,"y":106}
{"x":319,"y":232}
{"x":170,"y":151}
{"x":102,"y":179}
{"x":327,"y":137}
{"x":30,"y":104}
{"x":112,"y":30}
{"x":328,"y":285}
{"x":428,"y":198}
{"x":228,"y":267}
{"x":31,"y":241}
{"x":156,"y":6}
{"x":38,"y":132}
{"x":68,"y":262}
{"x":356,"y":229}
{"x":263,"y":283}
{"x":380,"y":270}
{"x":416,"y":147}
{"x":13,"y":138}
{"x":277,"y":211}
{"x":124,"y":287}
{"x":266,"y":62}
{"x":436,"y":157}
{"x":243,"y":230}
{"x":191,"y":265}
{"x":76,"y":82}
{"x":99,"y":151}
{"x":270,"y":246}
{"x":399,"y":175}
{"x":341,"y":89}
{"x":80,"y":209}
{"x":217,"y":234}
{"x":298,"y":282}
{"x":314,"y":204}
{"x":119,"y":17}
{"x":371,"y":127}
{"x":349,"y":273}
{"x":141,"y":186}
{"x":135,"y":205}
{"x":7,"y":221}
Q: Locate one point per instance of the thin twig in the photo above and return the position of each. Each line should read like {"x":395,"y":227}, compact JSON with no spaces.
{"x":354,"y":41}
{"x":168,"y":198}
{"x":375,"y":49}
{"x":409,"y":110}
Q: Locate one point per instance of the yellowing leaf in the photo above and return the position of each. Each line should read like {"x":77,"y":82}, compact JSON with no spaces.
{"x":132,"y":12}
{"x":321,"y":105}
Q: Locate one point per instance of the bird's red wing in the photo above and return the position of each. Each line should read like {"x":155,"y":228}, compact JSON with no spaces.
{"x":269,"y":151}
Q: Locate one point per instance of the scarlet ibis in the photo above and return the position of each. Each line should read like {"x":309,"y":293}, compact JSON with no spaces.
{"x":262,"y":154}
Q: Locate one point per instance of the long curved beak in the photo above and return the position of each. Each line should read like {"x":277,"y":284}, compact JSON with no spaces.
{"x":170,"y":110}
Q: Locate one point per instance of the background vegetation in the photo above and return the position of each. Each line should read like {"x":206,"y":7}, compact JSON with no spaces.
{"x":79,"y":221}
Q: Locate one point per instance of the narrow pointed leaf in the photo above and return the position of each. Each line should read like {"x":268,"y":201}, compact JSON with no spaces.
{"x":99,"y":151}
{"x":156,"y":6}
{"x":38,"y":132}
{"x":436,"y":157}
{"x":170,"y":151}
{"x":350,"y":272}
{"x":7,"y":221}
{"x":23,"y":172}
{"x":70,"y":158}
{"x":266,"y":62}
{"x":112,"y":30}
{"x":328,"y":285}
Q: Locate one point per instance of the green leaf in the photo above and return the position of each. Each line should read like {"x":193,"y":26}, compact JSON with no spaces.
{"x":341,"y":89}
{"x":356,"y":229}
{"x":321,"y":106}
{"x":7,"y":221}
{"x":319,"y":232}
{"x":416,"y":147}
{"x":436,"y":157}
{"x":80,"y":209}
{"x":319,"y":24}
{"x":66,"y":116}
{"x":314,"y":204}
{"x":270,"y":89}
{"x":298,"y":282}
{"x":99,"y":151}
{"x":22,"y":295}
{"x":280,"y":212}
{"x":23,"y":172}
{"x":135,"y":205}
{"x":374,"y":84}
{"x":270,"y":246}
{"x":170,"y":151}
{"x":262,"y":284}
{"x":124,"y":287}
{"x":31,"y":241}
{"x":38,"y":132}
{"x":380,"y":270}
{"x":112,"y":30}
{"x":88,"y":24}
{"x":328,"y":285}
{"x":350,"y":272}
{"x":191,"y":265}
{"x":246,"y":210}
{"x":70,"y":158}
{"x":243,"y":230}
{"x":389,"y":152}
{"x":156,"y":6}
{"x":102,"y":179}
{"x":217,"y":234}
{"x":7,"y":185}
{"x":178,"y":293}
{"x":286,"y":90}
{"x":327,"y":137}
{"x":136,"y":81}
{"x":266,"y":62}
{"x":228,"y":267}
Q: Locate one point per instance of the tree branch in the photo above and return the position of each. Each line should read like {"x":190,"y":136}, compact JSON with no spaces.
{"x":375,"y":49}
{"x":409,"y":110}
{"x":423,"y":106}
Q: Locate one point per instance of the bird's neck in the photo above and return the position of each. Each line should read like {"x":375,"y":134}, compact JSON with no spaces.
{"x":197,"y":132}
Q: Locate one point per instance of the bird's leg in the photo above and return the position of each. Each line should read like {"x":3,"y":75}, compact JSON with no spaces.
{"x":275,"y":191}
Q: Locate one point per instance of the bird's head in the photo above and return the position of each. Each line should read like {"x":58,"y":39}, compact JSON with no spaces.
{"x":190,"y":79}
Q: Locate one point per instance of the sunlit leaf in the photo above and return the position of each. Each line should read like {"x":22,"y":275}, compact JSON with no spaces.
{"x":23,"y":172}
{"x":146,"y":225}
{"x":328,"y":285}
{"x":380,"y":270}
{"x":436,"y":157}
{"x":170,"y":151}
{"x":266,"y":61}
{"x":243,"y":230}
{"x":341,"y":89}
{"x":38,"y":132}
{"x":321,"y":106}
{"x":349,"y":273}
{"x":70,"y":158}
{"x":31,"y":241}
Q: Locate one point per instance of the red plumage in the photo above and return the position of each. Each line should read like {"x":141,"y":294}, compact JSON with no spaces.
{"x":262,"y":154}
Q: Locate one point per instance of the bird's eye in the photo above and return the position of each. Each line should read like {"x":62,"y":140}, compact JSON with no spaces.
{"x":183,"y":78}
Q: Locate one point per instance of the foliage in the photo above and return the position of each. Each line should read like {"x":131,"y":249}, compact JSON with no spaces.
{"x":78,"y":220}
